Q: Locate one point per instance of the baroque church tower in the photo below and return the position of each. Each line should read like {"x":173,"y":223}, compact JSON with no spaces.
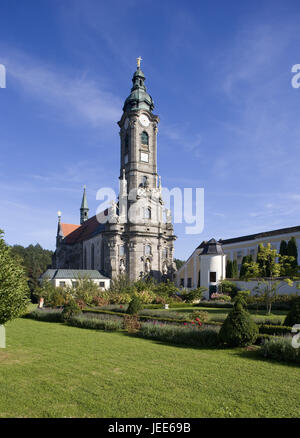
{"x":148,"y":231}
{"x":136,"y":236}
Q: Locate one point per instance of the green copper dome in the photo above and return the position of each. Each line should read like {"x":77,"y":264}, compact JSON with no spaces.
{"x":138,"y":98}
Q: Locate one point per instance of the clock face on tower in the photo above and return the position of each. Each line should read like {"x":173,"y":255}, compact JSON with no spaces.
{"x":144,"y":121}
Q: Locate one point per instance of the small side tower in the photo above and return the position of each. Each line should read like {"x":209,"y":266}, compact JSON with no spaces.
{"x":84,"y":209}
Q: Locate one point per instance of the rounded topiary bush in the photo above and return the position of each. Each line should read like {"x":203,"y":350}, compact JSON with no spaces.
{"x":135,"y":306}
{"x":293,"y":317}
{"x":238,"y":329}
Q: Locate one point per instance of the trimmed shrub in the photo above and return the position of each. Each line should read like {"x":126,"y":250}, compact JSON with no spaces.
{"x":274,"y":329}
{"x":238,"y":329}
{"x":164,"y":314}
{"x":293,"y":317}
{"x":135,"y":306}
{"x":180,"y":335}
{"x":47,"y":315}
{"x":95,"y":323}
{"x":280,"y":349}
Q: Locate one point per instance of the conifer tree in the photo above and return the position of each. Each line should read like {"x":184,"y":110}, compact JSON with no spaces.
{"x":283,"y":248}
{"x":235,"y":269}
{"x":229,"y":269}
{"x":292,"y":250}
{"x":238,"y":329}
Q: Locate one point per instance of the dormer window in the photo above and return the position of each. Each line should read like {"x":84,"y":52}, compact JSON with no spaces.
{"x":145,"y":138}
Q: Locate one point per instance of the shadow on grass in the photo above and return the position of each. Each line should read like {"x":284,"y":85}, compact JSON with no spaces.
{"x":253,"y":353}
{"x":169,"y":344}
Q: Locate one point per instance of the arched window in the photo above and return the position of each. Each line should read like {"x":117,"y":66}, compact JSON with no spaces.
{"x":145,"y":138}
{"x":92,"y":257}
{"x":147,"y":250}
{"x":165,"y":253}
{"x":147,"y":213}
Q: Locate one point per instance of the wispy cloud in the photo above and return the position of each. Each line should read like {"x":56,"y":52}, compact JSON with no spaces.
{"x":72,"y":93}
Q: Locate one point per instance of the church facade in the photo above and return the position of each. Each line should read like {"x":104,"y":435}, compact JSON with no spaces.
{"x":135,"y":235}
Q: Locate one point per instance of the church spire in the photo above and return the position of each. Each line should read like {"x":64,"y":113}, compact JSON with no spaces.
{"x":84,"y":209}
{"x":138,"y":98}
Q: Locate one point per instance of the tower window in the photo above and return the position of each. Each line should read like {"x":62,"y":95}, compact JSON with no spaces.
{"x":122,"y":250}
{"x":145,"y":138}
{"x":147,"y":249}
{"x":147,"y":213}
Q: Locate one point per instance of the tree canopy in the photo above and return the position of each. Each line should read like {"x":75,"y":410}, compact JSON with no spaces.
{"x":13,"y":284}
{"x":35,"y":260}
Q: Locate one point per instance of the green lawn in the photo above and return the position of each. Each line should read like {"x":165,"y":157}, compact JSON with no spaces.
{"x":53,"y":370}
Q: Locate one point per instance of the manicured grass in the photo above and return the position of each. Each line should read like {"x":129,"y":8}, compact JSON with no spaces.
{"x":54,"y":370}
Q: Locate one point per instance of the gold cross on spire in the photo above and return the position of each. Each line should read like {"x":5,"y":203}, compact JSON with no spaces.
{"x":139,"y":59}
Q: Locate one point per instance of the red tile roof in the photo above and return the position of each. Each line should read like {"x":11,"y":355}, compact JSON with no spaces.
{"x":68,"y":228}
{"x":88,"y":229}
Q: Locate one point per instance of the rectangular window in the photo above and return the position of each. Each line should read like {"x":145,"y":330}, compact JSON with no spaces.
{"x":212,"y":277}
{"x":62,"y":284}
{"x":189,"y":282}
{"x":122,"y":250}
{"x":102,"y":284}
{"x":182,"y":282}
{"x":74,"y":283}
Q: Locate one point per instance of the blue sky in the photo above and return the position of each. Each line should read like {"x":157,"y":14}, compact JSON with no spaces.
{"x":220,"y":76}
